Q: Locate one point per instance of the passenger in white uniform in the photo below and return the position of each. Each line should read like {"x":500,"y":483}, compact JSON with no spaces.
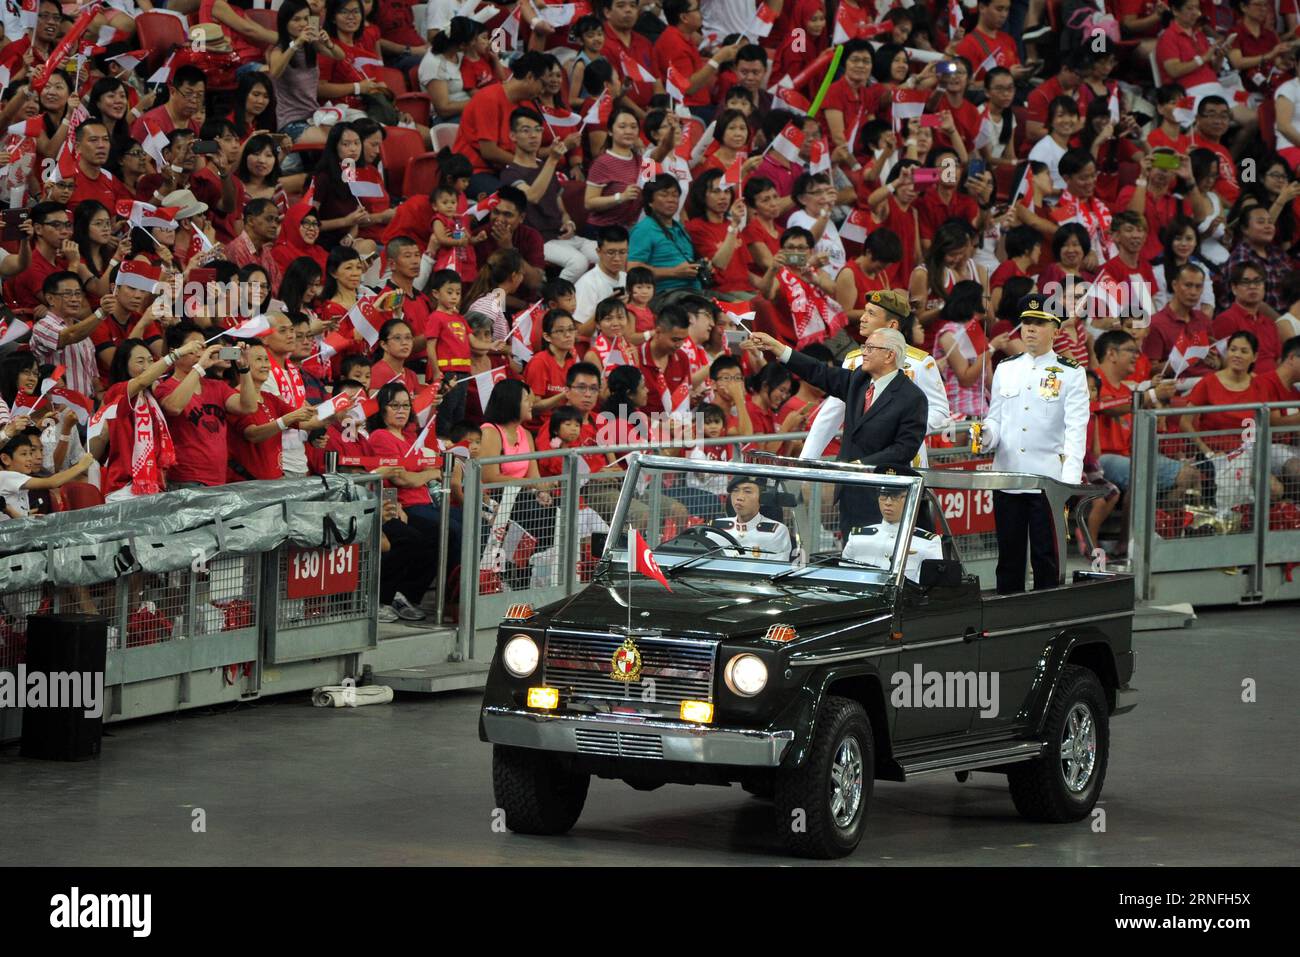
{"x":874,"y":544}
{"x":758,"y":535}
{"x":884,"y":309}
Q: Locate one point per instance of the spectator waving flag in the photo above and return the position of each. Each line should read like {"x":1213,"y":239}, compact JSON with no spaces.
{"x":11,"y":330}
{"x":99,"y":421}
{"x":676,"y":84}
{"x":336,"y":405}
{"x":129,"y":61}
{"x":558,"y":119}
{"x":1187,"y":349}
{"x":164,"y":73}
{"x":598,"y":114}
{"x":482,"y":207}
{"x":146,"y":215}
{"x":155,"y":141}
{"x":332,"y":345}
{"x":634,"y":71}
{"x":764,"y":18}
{"x":643,"y":560}
{"x":731,"y":175}
{"x":363,"y":183}
{"x":366,"y":320}
{"x":71,"y":399}
{"x":854,"y":229}
{"x":792,"y":100}
{"x":521,"y":332}
{"x":954,"y":18}
{"x":819,"y":157}
{"x":66,"y":45}
{"x":31,"y":128}
{"x":990,"y":63}
{"x":1026,"y":187}
{"x":484,"y":382}
{"x":258,"y":327}
{"x":677,"y":402}
{"x":1185,"y":111}
{"x":908,"y":105}
{"x":970,"y":340}
{"x":422,"y":404}
{"x":137,"y":274}
{"x":789,"y":142}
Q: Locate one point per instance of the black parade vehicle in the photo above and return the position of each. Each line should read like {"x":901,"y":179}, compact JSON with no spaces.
{"x":805,"y":661}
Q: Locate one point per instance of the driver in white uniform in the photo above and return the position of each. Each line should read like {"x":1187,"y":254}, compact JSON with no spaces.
{"x":757,"y":534}
{"x":874,"y":544}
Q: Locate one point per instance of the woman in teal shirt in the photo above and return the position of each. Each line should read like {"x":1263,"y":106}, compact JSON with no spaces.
{"x":659,"y":243}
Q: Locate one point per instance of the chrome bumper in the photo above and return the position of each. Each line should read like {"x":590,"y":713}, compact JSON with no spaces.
{"x":1126,"y":699}
{"x":631,"y":737}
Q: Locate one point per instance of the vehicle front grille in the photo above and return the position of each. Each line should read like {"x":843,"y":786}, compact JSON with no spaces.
{"x":619,"y":744}
{"x":672,"y":670}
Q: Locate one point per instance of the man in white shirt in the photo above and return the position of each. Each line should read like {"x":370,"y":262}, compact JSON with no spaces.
{"x":599,"y":282}
{"x":874,"y":544}
{"x":1037,"y":423}
{"x":758,"y":536}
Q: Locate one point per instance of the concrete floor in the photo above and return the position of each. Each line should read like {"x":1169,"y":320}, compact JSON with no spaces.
{"x":1196,"y":778}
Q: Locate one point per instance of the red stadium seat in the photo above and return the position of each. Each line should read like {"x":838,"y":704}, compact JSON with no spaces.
{"x":418,"y":105}
{"x":394,"y":79}
{"x":422,"y":175}
{"x":413,"y":78}
{"x":80,"y":495}
{"x":400,"y":146}
{"x":160,"y":33}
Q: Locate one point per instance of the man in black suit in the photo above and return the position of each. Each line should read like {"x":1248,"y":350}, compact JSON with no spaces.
{"x":884,"y":416}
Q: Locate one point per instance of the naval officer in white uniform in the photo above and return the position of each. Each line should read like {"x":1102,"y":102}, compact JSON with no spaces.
{"x":884,"y":309}
{"x":874,"y":544}
{"x":1037,"y":423}
{"x":760,"y":536}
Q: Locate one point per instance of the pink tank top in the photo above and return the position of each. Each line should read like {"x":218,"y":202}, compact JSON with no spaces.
{"x":520,"y":447}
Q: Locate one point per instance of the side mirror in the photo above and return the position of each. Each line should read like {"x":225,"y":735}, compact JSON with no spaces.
{"x":940,"y":571}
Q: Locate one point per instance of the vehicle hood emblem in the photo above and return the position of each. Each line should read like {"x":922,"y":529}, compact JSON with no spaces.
{"x":626,"y":662}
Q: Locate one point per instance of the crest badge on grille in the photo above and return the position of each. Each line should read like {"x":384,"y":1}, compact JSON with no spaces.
{"x":626,"y":662}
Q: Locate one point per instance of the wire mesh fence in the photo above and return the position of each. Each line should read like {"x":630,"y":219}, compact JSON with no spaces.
{"x":304,"y":575}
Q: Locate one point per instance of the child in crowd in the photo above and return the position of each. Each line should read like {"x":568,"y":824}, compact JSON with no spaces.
{"x":609,"y":347}
{"x":447,"y":343}
{"x":704,"y":493}
{"x":451,"y":242}
{"x":640,"y":290}
{"x":590,"y":34}
{"x":20,"y":464}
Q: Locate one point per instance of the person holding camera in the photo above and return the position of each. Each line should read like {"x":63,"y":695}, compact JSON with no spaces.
{"x":716,"y":219}
{"x":659,"y":243}
{"x":198,"y":402}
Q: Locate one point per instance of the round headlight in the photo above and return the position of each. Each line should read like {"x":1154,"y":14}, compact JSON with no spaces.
{"x":746,"y":675}
{"x":520,"y":656}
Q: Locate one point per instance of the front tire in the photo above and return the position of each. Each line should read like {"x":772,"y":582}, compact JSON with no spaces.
{"x":1065,"y":782}
{"x":821,"y":806}
{"x":537,"y":792}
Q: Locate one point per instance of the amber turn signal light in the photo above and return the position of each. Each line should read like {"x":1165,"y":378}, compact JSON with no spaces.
{"x":544,"y":699}
{"x":697,"y":712}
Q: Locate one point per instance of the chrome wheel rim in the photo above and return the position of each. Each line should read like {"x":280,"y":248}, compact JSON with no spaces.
{"x":1078,"y":748}
{"x":846,"y":782}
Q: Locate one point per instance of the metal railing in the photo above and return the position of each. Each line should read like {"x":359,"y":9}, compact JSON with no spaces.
{"x":1222,"y":528}
{"x":226,"y":588}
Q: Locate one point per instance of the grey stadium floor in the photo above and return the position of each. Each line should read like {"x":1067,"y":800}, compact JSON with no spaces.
{"x":1196,"y":777}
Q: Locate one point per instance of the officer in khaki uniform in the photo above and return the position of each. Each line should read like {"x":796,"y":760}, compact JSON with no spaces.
{"x":761,"y":537}
{"x":884,"y":309}
{"x":874,"y":544}
{"x":1037,"y":423}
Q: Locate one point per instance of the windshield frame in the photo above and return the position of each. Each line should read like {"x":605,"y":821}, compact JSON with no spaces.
{"x":846,"y":473}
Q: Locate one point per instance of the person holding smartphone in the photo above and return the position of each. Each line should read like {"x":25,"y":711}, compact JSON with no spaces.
{"x":198,"y":403}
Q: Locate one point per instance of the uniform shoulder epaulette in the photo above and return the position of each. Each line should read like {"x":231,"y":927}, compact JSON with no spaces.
{"x":724,"y":522}
{"x":922,"y":533}
{"x":767,"y":526}
{"x":863,"y":530}
{"x":854,"y":355}
{"x":1067,"y":361}
{"x":915,"y":353}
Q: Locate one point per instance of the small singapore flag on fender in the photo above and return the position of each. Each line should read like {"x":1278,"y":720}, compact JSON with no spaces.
{"x":644,"y":560}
